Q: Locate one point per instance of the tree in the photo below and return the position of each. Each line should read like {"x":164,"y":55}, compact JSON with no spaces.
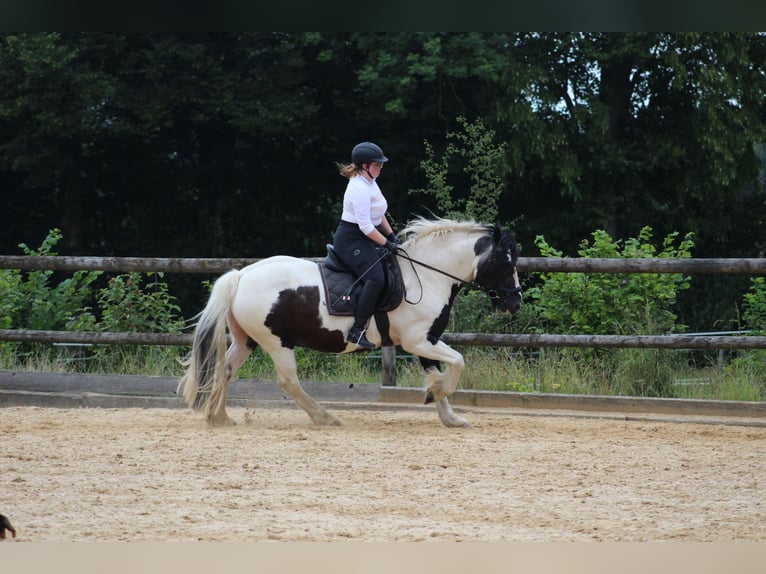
{"x":52,"y":110}
{"x":635,"y":129}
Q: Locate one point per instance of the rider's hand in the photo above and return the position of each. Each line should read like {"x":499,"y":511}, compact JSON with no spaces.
{"x":392,"y":245}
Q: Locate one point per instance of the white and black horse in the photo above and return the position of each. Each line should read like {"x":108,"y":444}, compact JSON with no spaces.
{"x":279,"y":303}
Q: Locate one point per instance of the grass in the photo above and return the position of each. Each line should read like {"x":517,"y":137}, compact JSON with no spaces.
{"x":618,"y":372}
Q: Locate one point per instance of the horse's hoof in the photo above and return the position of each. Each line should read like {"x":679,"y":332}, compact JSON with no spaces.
{"x":429,"y":397}
{"x":225,"y":421}
{"x":328,"y":420}
{"x":458,"y":423}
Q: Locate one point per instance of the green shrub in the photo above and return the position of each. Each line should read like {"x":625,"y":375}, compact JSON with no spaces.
{"x":128,"y":304}
{"x":472,"y":313}
{"x":622,"y":303}
{"x":602,"y":303}
{"x":133,"y":303}
{"x":36,"y":303}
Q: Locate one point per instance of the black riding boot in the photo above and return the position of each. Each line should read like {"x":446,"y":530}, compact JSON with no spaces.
{"x":365,"y":307}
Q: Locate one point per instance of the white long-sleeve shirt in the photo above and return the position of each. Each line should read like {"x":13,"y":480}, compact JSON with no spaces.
{"x":363,"y":204}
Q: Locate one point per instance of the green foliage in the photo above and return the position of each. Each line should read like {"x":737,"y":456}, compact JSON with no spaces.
{"x":604,"y":303}
{"x":130,"y":305}
{"x":126,"y":304}
{"x":35,"y":303}
{"x":754,"y":306}
{"x":482,"y":161}
{"x":601,"y":303}
{"x":473,"y":313}
{"x":11,"y":300}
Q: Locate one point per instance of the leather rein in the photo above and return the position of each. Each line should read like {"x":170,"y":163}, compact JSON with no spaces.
{"x":494,"y":294}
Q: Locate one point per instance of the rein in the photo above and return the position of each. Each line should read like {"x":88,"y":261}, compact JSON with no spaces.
{"x":493,"y":294}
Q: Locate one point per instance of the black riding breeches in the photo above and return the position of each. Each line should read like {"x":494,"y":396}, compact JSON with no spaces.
{"x":358,"y":252}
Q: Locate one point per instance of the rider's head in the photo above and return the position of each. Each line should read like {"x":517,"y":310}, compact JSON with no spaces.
{"x":367,"y":152}
{"x":364,"y":156}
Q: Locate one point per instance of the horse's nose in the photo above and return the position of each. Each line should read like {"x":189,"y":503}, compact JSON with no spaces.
{"x":513,"y":307}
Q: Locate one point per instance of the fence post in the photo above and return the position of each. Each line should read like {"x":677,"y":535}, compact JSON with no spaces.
{"x":388,"y":362}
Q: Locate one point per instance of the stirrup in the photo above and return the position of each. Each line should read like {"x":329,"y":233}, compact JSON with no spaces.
{"x":356,"y":336}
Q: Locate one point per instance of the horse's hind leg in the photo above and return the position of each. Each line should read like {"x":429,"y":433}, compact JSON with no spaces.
{"x":236,"y":354}
{"x":287,"y":377}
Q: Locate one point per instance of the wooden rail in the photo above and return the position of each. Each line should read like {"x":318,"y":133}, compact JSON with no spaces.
{"x":464,"y":339}
{"x":746,"y":266}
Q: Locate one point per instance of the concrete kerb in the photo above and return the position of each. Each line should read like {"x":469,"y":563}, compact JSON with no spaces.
{"x":589,"y":403}
{"x":67,"y":390}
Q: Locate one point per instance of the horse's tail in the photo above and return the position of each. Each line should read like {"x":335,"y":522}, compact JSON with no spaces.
{"x":203,"y":384}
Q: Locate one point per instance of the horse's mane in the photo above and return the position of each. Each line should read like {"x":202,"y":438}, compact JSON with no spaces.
{"x":420,"y":227}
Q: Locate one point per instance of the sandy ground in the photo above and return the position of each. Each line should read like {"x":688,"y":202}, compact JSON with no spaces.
{"x":387,"y":475}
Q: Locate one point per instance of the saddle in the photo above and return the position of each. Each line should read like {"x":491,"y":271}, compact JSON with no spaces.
{"x":341,"y":284}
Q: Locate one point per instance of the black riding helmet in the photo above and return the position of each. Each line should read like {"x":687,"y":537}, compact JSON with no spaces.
{"x":367,"y":152}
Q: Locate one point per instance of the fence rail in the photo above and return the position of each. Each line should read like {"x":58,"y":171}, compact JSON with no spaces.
{"x":746,"y":266}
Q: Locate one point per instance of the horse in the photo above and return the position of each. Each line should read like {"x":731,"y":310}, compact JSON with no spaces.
{"x":279,"y":303}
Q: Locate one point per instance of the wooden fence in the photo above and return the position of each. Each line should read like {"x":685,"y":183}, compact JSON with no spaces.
{"x":753,"y":266}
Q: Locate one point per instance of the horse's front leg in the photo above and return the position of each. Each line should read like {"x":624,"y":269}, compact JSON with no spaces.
{"x":448,"y":416}
{"x":440,"y":384}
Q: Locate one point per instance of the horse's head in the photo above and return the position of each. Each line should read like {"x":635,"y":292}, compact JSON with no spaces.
{"x":496,"y":272}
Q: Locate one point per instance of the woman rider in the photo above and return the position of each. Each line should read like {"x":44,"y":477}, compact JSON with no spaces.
{"x":363,"y":226}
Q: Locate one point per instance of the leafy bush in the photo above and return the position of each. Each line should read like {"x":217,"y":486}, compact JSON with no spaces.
{"x":601,"y":303}
{"x":32,"y":302}
{"x":472,"y":155}
{"x":128,"y":305}
{"x":473,"y":313}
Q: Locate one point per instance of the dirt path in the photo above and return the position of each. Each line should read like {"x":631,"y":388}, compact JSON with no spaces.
{"x":162,"y":475}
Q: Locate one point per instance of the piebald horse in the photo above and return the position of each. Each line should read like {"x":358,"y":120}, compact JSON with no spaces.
{"x":279,"y":303}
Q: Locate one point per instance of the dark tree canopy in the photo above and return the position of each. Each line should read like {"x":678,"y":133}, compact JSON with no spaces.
{"x":224,"y":144}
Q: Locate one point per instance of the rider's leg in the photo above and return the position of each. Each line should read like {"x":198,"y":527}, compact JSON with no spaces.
{"x":365,"y":307}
